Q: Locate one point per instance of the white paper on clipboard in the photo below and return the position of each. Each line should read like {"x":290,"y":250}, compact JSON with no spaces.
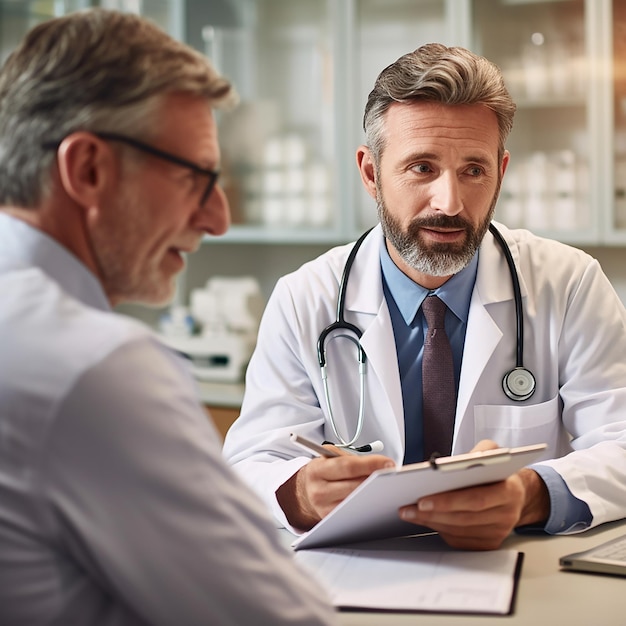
{"x":371,"y":510}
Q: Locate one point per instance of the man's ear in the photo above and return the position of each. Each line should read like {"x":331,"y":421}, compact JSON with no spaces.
{"x":85,"y":164}
{"x":505,"y":162}
{"x":367,"y":170}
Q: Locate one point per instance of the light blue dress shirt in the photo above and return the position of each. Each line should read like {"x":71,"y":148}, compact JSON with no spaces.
{"x":404,"y":299}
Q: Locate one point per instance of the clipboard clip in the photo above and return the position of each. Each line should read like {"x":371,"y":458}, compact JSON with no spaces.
{"x":469,"y":460}
{"x":433,"y":460}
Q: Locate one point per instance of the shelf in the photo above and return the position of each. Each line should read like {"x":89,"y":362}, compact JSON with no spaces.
{"x":276,"y":235}
{"x":567,"y":102}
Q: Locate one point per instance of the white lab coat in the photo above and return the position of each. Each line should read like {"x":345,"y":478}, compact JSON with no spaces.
{"x":574,"y":343}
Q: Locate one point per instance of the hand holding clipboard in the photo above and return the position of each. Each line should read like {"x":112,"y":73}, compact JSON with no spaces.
{"x":371,"y":510}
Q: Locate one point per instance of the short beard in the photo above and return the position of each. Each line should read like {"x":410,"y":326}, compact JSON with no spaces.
{"x":115,"y":243}
{"x":434,"y":259}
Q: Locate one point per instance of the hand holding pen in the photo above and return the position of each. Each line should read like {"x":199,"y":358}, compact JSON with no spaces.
{"x":320,"y":485}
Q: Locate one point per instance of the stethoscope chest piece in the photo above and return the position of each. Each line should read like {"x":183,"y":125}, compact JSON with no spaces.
{"x":519,"y":384}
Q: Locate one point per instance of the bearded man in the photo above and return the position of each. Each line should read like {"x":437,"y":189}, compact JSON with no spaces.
{"x":435,"y":126}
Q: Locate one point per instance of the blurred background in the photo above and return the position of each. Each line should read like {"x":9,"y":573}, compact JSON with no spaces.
{"x":304,"y":68}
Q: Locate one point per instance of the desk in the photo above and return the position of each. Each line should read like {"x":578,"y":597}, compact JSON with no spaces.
{"x":545,"y":596}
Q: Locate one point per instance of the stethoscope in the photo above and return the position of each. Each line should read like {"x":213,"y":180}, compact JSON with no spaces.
{"x":518,"y":384}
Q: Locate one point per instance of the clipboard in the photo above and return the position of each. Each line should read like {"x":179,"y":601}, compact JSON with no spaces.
{"x":371,"y":510}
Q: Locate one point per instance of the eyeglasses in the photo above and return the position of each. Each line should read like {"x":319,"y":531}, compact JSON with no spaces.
{"x":211,"y":175}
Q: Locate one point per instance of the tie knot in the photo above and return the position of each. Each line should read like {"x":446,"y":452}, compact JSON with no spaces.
{"x":434,"y":312}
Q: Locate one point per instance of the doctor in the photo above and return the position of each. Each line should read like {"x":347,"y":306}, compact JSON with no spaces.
{"x":435,"y":125}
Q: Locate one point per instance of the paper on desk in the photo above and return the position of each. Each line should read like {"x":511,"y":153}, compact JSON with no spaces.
{"x":397,"y":580}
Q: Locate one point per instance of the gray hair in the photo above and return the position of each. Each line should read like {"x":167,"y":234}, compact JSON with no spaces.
{"x":92,"y":70}
{"x":436,"y":73}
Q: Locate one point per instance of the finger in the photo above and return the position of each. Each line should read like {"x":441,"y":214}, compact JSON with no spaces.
{"x":504,"y":516}
{"x":348,"y":466}
{"x":485,"y":444}
{"x":325,"y":496}
{"x":477,"y":499}
{"x":484,"y":502}
{"x":329,"y":481}
{"x":467,"y":530}
{"x":337,"y":450}
{"x":497,"y":521}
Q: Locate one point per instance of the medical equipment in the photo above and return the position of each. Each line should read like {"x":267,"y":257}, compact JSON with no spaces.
{"x":227,"y":312}
{"x":518,"y":384}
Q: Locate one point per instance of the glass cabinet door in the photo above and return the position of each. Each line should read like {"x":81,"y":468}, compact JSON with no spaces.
{"x":542,"y":50}
{"x":279,"y":145}
{"x":19,"y":16}
{"x":618,"y":217}
{"x":168,"y":14}
{"x":384,"y":30}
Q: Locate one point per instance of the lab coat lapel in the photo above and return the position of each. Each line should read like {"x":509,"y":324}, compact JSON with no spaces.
{"x":366,"y":303}
{"x":482,"y":338}
{"x":493,"y":285}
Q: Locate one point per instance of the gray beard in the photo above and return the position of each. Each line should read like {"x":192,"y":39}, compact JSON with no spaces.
{"x":428,"y":258}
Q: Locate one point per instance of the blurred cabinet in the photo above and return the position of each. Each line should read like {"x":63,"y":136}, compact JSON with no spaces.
{"x":382,"y":32}
{"x":545,"y":52}
{"x":280,"y":147}
{"x":304,"y":69}
{"x":18,"y":16}
{"x":617,"y":216}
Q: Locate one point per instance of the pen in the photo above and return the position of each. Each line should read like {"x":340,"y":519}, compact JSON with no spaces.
{"x":325,"y":451}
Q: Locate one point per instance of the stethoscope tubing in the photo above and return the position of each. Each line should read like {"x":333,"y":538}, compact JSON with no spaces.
{"x":517,"y":295}
{"x":340,"y":323}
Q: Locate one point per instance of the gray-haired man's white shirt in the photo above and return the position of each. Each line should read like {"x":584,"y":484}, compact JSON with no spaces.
{"x":116,"y":507}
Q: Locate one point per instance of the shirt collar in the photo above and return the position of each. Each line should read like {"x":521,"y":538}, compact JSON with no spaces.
{"x":408,"y":295}
{"x":23,"y":246}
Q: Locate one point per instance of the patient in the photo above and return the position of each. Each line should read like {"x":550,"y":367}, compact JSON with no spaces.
{"x":117,"y":507}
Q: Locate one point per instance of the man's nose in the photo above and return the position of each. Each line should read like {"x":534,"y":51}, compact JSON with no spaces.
{"x":214,"y":216}
{"x":446,"y":194}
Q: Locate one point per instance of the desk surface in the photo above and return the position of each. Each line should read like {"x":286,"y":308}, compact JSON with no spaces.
{"x":545,"y":596}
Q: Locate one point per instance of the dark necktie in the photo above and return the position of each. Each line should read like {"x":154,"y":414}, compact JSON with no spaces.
{"x":438,"y":386}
